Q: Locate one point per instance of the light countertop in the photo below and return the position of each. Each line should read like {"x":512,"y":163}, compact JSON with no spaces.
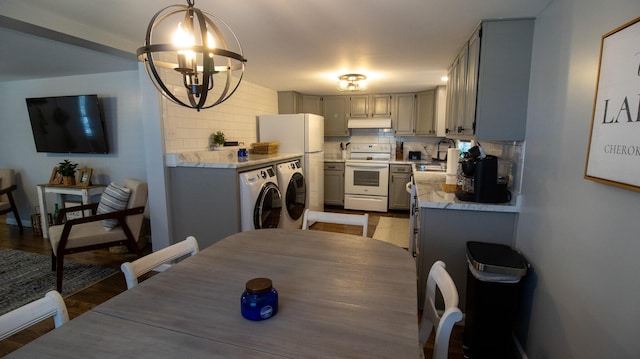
{"x":431,"y":195}
{"x":224,"y":159}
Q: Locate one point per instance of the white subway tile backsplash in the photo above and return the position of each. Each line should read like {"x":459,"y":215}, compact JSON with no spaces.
{"x":188,"y":130}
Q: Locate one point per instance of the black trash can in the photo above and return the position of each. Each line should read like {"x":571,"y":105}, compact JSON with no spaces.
{"x":493,"y":289}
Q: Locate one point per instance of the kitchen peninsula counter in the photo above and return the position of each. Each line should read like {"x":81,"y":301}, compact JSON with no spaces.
{"x":445,"y":224}
{"x":431,"y":195}
{"x":225,"y":159}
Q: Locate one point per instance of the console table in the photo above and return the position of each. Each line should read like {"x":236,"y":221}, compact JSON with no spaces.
{"x":84,"y":192}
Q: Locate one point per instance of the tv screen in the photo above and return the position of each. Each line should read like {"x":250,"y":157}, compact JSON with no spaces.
{"x":68,"y":124}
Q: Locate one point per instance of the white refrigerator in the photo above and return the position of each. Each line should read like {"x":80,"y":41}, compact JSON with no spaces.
{"x":303,"y":132}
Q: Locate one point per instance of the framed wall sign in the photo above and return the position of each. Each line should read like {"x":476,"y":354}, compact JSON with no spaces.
{"x":76,"y":214}
{"x":614,"y":144}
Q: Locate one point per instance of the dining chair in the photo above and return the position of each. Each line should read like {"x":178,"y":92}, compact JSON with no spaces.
{"x":338,"y":218}
{"x":158,"y":261}
{"x":7,"y":187}
{"x":443,"y":323}
{"x":51,"y":305}
{"x":116,"y":220}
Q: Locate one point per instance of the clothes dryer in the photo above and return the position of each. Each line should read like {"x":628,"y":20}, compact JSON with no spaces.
{"x":294,"y":189}
{"x":260,"y":199}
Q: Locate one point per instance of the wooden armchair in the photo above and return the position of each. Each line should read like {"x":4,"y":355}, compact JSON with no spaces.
{"x":7,"y":186}
{"x":89,"y":233}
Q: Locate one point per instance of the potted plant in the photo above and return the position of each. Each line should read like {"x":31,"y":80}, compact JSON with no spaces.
{"x":68,"y":171}
{"x":216,"y":140}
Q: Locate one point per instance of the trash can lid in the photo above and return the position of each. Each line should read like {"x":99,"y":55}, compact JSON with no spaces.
{"x":496,"y":258}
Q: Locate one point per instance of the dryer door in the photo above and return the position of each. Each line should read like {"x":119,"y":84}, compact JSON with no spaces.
{"x":296,"y":196}
{"x":266,"y":213}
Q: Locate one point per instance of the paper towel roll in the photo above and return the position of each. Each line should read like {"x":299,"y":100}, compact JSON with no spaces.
{"x":453,"y":155}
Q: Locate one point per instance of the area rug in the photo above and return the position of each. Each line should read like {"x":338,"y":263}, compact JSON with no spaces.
{"x":25,"y":277}
{"x":393,"y":230}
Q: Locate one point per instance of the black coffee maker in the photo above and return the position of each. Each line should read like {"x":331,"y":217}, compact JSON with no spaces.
{"x":480,"y":181}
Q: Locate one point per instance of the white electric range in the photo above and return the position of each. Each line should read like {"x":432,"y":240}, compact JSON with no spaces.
{"x":366,"y":176}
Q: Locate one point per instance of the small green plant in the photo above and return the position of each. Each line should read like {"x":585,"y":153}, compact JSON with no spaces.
{"x":67,"y":168}
{"x":217,"y":139}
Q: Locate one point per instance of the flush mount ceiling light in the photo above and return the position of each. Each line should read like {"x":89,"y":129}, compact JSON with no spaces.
{"x":352,"y":82}
{"x":185,"y":69}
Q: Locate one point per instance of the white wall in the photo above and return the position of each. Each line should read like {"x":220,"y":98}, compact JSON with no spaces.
{"x":138,"y":136}
{"x":120,"y":98}
{"x":581,"y":237}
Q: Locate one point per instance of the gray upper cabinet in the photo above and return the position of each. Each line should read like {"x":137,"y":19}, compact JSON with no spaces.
{"x":453,"y":95}
{"x":289,"y":102}
{"x":359,"y":106}
{"x":294,"y":102}
{"x":488,"y":85}
{"x":411,"y":114}
{"x":335,"y":115}
{"x":381,"y":105}
{"x":312,"y":104}
{"x":426,"y":113}
{"x":471,"y":86}
{"x":365,"y":106}
{"x":403,"y":120}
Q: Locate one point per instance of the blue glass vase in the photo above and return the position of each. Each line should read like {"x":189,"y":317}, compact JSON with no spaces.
{"x":259,"y":300}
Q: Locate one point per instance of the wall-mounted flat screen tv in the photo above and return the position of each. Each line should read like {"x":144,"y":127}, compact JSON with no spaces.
{"x":68,"y":124}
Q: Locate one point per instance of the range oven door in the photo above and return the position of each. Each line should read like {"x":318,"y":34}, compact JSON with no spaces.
{"x":370,"y":178}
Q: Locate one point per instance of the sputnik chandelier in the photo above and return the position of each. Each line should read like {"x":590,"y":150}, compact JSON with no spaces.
{"x":352,"y":82}
{"x":198,"y":69}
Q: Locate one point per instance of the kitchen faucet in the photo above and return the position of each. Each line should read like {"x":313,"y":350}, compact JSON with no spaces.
{"x":450,"y":144}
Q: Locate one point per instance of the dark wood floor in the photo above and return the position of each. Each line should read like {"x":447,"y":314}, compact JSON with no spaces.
{"x":80,"y":302}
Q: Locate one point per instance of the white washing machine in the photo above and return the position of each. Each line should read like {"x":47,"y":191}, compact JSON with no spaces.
{"x":294,"y":190}
{"x":260,"y":199}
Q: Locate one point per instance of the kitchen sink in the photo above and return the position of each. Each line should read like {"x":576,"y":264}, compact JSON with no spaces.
{"x":431,"y":167}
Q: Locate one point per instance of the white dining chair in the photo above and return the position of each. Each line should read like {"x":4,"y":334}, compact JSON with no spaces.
{"x":51,"y":305}
{"x":443,"y":323}
{"x":339,"y":218}
{"x":158,"y":261}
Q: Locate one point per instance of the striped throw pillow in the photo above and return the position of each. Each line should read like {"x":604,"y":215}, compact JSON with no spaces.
{"x":114,"y":198}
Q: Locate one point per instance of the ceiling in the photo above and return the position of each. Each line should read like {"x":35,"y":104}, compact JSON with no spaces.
{"x":401,"y":45}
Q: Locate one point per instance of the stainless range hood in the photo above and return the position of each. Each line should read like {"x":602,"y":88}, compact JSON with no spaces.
{"x":369,"y":123}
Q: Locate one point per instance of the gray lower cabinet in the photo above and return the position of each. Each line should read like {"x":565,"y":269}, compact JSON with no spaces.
{"x":205,"y":203}
{"x":444,"y":233}
{"x":399,"y":175}
{"x":334,"y":183}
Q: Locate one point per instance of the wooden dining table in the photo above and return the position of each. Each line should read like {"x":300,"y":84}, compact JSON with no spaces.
{"x":340,"y":296}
